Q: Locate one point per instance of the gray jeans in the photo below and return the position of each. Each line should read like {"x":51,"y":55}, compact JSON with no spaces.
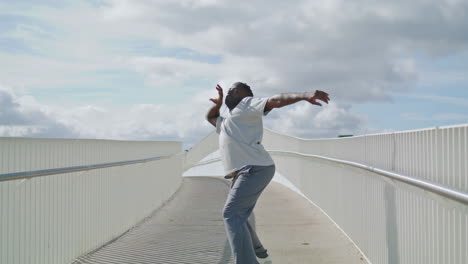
{"x":246,"y":188}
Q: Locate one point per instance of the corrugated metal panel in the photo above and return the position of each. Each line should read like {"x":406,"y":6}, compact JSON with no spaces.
{"x":435,"y":154}
{"x":391,"y":222}
{"x":56,"y":218}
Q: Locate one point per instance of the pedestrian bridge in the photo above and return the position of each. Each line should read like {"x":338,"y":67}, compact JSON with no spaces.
{"x":388,"y":198}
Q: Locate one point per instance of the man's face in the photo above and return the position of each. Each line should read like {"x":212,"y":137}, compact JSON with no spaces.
{"x":234,"y":96}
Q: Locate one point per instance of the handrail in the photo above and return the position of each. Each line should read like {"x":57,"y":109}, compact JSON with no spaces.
{"x":47,"y":172}
{"x":426,"y":185}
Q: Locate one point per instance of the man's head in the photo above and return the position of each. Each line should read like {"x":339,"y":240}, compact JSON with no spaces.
{"x":236,"y":93}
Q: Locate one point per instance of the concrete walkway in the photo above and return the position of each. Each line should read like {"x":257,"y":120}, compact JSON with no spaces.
{"x":189,"y":229}
{"x":295,"y":231}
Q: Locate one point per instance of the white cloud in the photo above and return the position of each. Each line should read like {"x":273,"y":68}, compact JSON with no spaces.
{"x":351,"y":48}
{"x":22,"y":116}
{"x":358,"y":51}
{"x":168,"y":71}
{"x":308,"y":121}
{"x":182,"y":122}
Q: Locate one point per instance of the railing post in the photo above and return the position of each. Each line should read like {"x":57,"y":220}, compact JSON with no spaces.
{"x":394,"y":151}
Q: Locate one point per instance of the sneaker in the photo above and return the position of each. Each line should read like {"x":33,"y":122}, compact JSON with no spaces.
{"x":266,"y":260}
{"x":262,"y":256}
{"x":261,"y":252}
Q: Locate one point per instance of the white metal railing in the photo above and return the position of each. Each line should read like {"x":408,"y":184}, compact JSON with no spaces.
{"x":428,"y":186}
{"x":389,"y":220}
{"x":392,"y":220}
{"x":437,"y":154}
{"x":48,"y":172}
{"x":78,"y":207}
{"x":400,"y":197}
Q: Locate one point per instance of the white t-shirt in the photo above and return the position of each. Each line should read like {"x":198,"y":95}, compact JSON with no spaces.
{"x":240,"y":135}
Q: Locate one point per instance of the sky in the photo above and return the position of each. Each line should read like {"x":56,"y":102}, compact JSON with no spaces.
{"x":145,"y":69}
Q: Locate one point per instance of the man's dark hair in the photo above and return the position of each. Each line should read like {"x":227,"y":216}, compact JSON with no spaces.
{"x":245,"y":87}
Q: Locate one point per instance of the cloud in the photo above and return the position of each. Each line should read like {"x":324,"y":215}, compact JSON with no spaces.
{"x":22,"y":116}
{"x":181,"y":122}
{"x":308,"y":121}
{"x":358,"y":51}
{"x":169,"y":71}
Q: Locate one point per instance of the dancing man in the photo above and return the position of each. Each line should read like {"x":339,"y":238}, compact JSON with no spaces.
{"x":246,"y":161}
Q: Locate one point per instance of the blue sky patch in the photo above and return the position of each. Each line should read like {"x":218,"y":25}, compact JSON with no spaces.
{"x":16,"y":46}
{"x":25,"y":35}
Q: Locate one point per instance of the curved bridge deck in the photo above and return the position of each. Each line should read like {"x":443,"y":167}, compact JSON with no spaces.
{"x":189,"y":229}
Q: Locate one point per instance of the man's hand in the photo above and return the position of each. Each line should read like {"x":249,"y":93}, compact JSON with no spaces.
{"x":318,"y":95}
{"x":213,"y":113}
{"x":218,"y":101}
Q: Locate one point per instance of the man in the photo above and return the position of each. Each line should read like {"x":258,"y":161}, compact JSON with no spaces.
{"x":246,"y":161}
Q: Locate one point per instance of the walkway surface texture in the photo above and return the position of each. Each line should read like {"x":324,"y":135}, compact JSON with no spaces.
{"x":189,"y":229}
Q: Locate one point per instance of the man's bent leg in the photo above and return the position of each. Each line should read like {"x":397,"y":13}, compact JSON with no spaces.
{"x":249,"y":184}
{"x":257,"y":245}
{"x":260,"y":251}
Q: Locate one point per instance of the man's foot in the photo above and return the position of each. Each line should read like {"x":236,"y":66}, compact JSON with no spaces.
{"x":262,"y":256}
{"x":266,"y":260}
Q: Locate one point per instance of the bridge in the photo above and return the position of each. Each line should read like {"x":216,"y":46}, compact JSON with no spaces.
{"x":388,"y":198}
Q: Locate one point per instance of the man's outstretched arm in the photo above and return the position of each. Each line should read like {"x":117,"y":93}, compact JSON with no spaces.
{"x":281,"y":100}
{"x":213,"y":113}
